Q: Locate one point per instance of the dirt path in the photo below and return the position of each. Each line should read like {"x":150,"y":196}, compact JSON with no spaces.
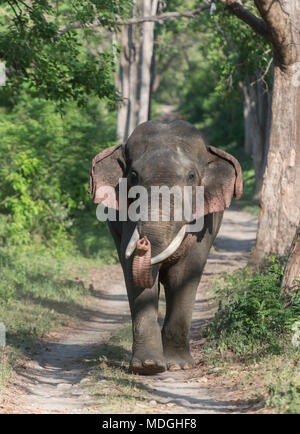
{"x":51,"y":382}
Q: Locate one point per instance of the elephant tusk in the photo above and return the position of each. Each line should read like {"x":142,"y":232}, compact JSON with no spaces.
{"x":172,"y":247}
{"x":132,"y":243}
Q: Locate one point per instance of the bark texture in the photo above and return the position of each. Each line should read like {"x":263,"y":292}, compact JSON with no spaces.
{"x":280,"y":202}
{"x":135,"y":69}
{"x":257,"y":121}
{"x":149,"y":8}
{"x":128,"y":77}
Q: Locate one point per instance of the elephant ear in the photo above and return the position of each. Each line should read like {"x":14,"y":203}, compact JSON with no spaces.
{"x":106,"y":169}
{"x":222,"y":180}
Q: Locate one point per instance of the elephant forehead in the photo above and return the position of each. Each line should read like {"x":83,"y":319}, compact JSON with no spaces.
{"x":162,"y":163}
{"x":158,"y":135}
{"x":175,"y":129}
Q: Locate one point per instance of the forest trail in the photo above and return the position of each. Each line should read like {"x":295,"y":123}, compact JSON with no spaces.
{"x":52,"y":381}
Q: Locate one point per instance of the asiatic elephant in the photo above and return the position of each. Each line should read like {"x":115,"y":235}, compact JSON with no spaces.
{"x":150,"y":252}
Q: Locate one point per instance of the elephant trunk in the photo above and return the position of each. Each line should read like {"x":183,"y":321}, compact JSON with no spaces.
{"x":141,"y":266}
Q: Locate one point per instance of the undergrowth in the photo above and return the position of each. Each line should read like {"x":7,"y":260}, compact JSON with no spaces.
{"x":40,"y":290}
{"x":254,"y":326}
{"x":116,"y":390}
{"x":253,"y":318}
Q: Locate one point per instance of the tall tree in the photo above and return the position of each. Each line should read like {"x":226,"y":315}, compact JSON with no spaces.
{"x":135,"y":68}
{"x":149,"y":8}
{"x":257,"y":101}
{"x":280,"y":202}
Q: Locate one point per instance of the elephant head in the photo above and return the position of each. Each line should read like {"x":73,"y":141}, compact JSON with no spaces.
{"x":168,"y":154}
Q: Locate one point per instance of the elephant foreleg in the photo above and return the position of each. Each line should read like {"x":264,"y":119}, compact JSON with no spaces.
{"x":147,"y":349}
{"x":180,"y":284}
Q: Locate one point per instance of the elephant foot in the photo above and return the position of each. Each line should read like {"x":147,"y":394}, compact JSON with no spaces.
{"x":178,"y":359}
{"x":147,"y":365}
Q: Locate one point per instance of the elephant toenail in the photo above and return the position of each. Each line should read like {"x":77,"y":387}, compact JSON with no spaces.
{"x":187,"y":366}
{"x":148,"y":363}
{"x":173,"y":367}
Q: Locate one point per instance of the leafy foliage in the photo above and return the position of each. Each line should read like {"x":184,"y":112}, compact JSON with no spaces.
{"x":253,"y":316}
{"x":236,"y":51}
{"x":210,"y":58}
{"x":45,"y":161}
{"x":228,"y":54}
{"x":40,"y":49}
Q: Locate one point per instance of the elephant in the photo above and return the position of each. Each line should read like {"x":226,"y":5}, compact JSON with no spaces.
{"x":165,"y":252}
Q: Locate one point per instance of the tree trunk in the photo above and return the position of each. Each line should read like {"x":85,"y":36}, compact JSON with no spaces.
{"x":257,"y":117}
{"x":292,"y":269}
{"x":135,"y":70}
{"x":280,"y":203}
{"x":128,"y":77}
{"x":149,"y":8}
{"x":134,"y":77}
{"x":122,"y":124}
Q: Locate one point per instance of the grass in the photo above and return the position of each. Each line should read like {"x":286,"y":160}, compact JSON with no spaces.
{"x":284,"y":395}
{"x":114,"y":388}
{"x":7,"y":363}
{"x":250,"y":338}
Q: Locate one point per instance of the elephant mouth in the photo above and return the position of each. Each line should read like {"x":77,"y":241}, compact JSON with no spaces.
{"x":143,"y":272}
{"x":135,"y":242}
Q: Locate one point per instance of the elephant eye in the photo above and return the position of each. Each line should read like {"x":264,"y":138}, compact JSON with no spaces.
{"x":191,"y":178}
{"x":133,"y":177}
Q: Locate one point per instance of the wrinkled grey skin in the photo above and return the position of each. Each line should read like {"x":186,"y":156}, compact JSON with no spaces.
{"x":165,"y":154}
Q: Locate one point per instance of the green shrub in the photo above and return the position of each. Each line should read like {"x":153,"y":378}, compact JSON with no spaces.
{"x":284,"y":397}
{"x":253,"y":317}
{"x":44,"y":173}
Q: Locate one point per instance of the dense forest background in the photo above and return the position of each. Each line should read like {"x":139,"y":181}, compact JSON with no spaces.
{"x":60,"y":105}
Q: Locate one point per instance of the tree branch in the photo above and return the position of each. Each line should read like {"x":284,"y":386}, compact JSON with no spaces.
{"x":15,"y":13}
{"x":9,"y":198}
{"x":138,"y":20}
{"x":279,"y":23}
{"x":258,"y":25}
